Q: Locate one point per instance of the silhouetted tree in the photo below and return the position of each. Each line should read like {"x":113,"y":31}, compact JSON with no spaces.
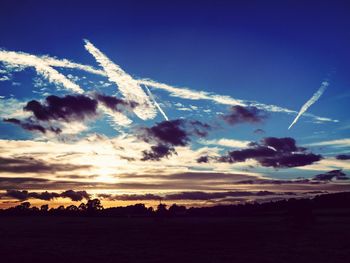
{"x":93,"y":205}
{"x":176,"y":210}
{"x":60,"y":208}
{"x":44,"y":208}
{"x":161,"y":209}
{"x":72,"y":208}
{"x":25,"y":205}
{"x":82,"y":207}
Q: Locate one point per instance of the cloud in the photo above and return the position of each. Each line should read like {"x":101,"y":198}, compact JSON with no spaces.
{"x":22,"y":164}
{"x":41,"y":67}
{"x":175,"y":132}
{"x":327,"y":164}
{"x":168,"y":134}
{"x":130,"y":197}
{"x":343,"y":157}
{"x":333,"y":143}
{"x":226,"y":142}
{"x":273,"y":152}
{"x":239,"y":114}
{"x":115,"y":103}
{"x":25,"y":195}
{"x":337,"y":174}
{"x":158,"y":152}
{"x":75,"y":195}
{"x":259,"y":131}
{"x":128,"y":86}
{"x":30,"y":126}
{"x":67,"y":108}
{"x":311,"y":101}
{"x":72,"y":109}
{"x":203,"y":159}
{"x":198,"y":195}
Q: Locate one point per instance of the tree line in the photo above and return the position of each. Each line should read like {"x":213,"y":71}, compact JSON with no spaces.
{"x":292,"y":207}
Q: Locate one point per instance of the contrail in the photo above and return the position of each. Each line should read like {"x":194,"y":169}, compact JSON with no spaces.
{"x":20,"y":58}
{"x":311,"y":101}
{"x":42,"y":68}
{"x":155,"y":102}
{"x":128,"y":86}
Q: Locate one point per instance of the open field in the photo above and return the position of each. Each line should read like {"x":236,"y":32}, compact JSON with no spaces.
{"x":241,"y":239}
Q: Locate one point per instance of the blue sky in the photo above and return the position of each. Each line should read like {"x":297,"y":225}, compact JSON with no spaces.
{"x":267,"y":52}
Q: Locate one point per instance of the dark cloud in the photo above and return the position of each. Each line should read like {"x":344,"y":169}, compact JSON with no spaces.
{"x":335,"y":174}
{"x":158,"y":152}
{"x":197,"y":195}
{"x":259,"y":131}
{"x":13,"y":120}
{"x":273,"y":152}
{"x":274,"y":181}
{"x":343,"y":157}
{"x":239,"y":114}
{"x":20,"y":195}
{"x":75,"y":195}
{"x":33,"y":183}
{"x":203,"y":159}
{"x":168,"y":134}
{"x":25,"y":195}
{"x":30,"y":165}
{"x":174,"y":132}
{"x":68,"y":108}
{"x":115,"y":103}
{"x":29,"y":125}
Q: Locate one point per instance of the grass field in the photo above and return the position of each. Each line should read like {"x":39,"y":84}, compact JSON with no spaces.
{"x":242,"y":239}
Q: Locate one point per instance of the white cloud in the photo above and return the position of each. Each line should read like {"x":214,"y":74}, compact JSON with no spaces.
{"x":12,"y":108}
{"x":327,"y":164}
{"x":226,"y":143}
{"x":112,"y":158}
{"x":5,"y":78}
{"x":333,"y":143}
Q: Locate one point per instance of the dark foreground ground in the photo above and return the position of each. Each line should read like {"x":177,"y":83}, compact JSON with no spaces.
{"x":269,"y":238}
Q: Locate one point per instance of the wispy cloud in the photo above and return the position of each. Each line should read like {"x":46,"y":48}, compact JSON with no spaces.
{"x":42,"y":68}
{"x":333,"y":143}
{"x":226,"y":143}
{"x":311,"y":101}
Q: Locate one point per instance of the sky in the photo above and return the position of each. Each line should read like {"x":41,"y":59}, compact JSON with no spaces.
{"x":197,"y":103}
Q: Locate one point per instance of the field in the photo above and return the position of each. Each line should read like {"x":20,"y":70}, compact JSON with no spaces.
{"x":240,"y":239}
